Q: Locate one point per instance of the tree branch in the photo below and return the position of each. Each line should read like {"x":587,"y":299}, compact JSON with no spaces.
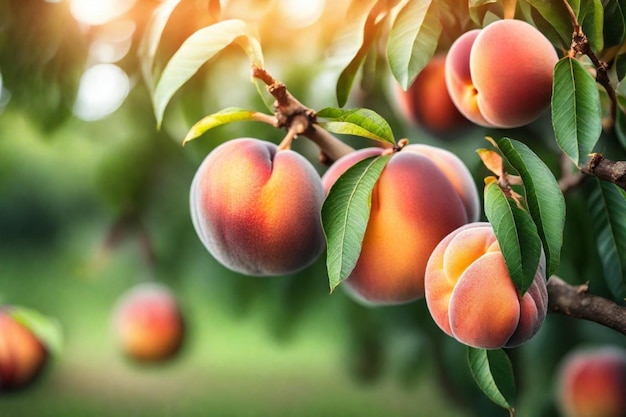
{"x":605,"y":169}
{"x":575,"y":301}
{"x":298,"y":119}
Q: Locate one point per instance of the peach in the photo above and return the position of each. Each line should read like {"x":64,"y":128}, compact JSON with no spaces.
{"x":257,"y":208}
{"x":592,"y":383}
{"x":413,"y":206}
{"x":427,"y":103}
{"x":470,"y":294}
{"x":22,"y":354}
{"x":501,"y":76}
{"x":456,"y":172}
{"x":147,"y":323}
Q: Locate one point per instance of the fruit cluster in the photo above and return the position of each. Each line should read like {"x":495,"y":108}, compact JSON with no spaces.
{"x":499,"y":77}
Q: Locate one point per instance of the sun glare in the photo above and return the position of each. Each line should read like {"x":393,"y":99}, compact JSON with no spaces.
{"x":301,"y":13}
{"x":102,"y":89}
{"x":98,"y":12}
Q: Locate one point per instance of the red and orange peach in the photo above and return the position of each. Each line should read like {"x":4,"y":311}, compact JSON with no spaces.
{"x":470,"y":294}
{"x":414,"y":204}
{"x":592,"y":383}
{"x":501,"y":75}
{"x":147,"y":323}
{"x":427,"y":103}
{"x":257,"y":208}
{"x":22,"y":353}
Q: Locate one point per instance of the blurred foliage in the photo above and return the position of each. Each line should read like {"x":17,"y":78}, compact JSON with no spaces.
{"x":87,"y":209}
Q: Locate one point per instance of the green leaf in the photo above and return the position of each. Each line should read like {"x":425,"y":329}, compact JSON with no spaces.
{"x":548,"y":30}
{"x":607,"y":207}
{"x":359,"y":122}
{"x":545,"y":200}
{"x":349,"y":39}
{"x":576,"y":109}
{"x":227,"y":115}
{"x":620,"y":114}
{"x":620,"y":93}
{"x":46,"y":329}
{"x":413,"y":40}
{"x":493,"y":372}
{"x":351,"y":44}
{"x":152,"y":37}
{"x":620,"y":66}
{"x":345,"y":215}
{"x":555,"y":14}
{"x":197,"y":50}
{"x":517,"y":235}
{"x":591,"y":18}
{"x":614,"y":22}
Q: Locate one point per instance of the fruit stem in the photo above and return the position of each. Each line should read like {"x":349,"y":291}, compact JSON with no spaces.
{"x":397,"y":147}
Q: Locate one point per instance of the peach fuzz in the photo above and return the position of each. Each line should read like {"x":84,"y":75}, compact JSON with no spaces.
{"x":413,"y":206}
{"x":427,"y":103}
{"x":457,"y":173}
{"x":147,"y":323}
{"x":471,"y":296}
{"x":501,"y":75}
{"x":257,"y":208}
{"x":592,"y":383}
{"x":22,"y":354}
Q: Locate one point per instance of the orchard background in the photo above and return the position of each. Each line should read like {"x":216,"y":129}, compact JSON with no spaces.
{"x":95,"y":182}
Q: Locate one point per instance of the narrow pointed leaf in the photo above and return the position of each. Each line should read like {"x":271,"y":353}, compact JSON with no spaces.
{"x":620,"y":113}
{"x":47,"y":330}
{"x":576,"y":109}
{"x":545,"y":200}
{"x":349,"y":38}
{"x":591,"y":18}
{"x":228,"y":115}
{"x":517,"y":235}
{"x":359,"y":122}
{"x":196,"y":51}
{"x":555,"y":14}
{"x":608,"y":214}
{"x":493,"y":373}
{"x":413,"y":40}
{"x":614,"y":22}
{"x":152,"y":37}
{"x":345,"y":214}
{"x":351,"y":44}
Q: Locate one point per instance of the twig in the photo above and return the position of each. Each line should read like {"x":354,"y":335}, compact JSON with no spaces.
{"x":580,"y":45}
{"x":299,"y":119}
{"x":605,"y":169}
{"x":575,"y":301}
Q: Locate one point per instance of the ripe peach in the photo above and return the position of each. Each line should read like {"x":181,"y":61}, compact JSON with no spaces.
{"x":257,"y":208}
{"x":456,"y":172}
{"x":592,"y":383}
{"x":147,"y":323}
{"x":427,"y":103}
{"x":413,"y":206}
{"x":501,"y":75}
{"x":22,"y":354}
{"x":471,"y":296}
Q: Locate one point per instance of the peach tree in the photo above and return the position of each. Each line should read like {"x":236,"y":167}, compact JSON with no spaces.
{"x":513,"y":67}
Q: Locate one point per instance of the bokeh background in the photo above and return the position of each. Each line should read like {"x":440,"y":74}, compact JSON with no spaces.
{"x":94,"y":199}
